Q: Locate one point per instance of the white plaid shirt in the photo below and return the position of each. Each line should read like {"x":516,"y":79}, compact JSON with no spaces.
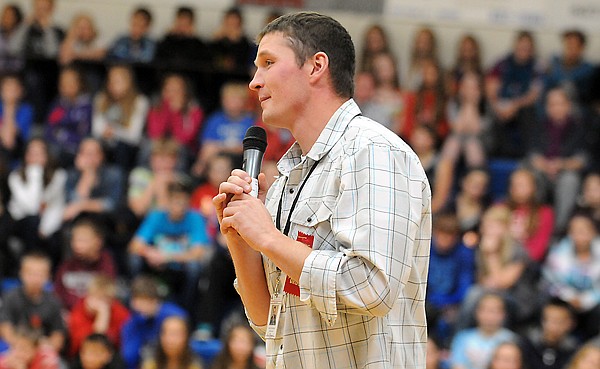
{"x":362,"y":289}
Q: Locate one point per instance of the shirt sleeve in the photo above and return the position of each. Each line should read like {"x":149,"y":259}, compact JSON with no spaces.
{"x":198,"y":236}
{"x":376,"y":222}
{"x":149,"y":227}
{"x":54,"y":197}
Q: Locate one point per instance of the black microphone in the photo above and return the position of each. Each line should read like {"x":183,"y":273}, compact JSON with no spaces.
{"x":255,"y":144}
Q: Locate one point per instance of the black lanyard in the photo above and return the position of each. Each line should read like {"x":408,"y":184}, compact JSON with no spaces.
{"x":288,"y":223}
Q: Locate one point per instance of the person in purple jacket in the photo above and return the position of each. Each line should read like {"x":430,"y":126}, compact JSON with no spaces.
{"x":70,"y":117}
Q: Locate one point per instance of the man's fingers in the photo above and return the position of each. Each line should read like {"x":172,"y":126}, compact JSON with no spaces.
{"x":231,"y":188}
{"x":241,"y":174}
{"x":218,"y":201}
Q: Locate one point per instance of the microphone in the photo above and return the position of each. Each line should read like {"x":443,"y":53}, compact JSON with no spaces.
{"x":255,"y":144}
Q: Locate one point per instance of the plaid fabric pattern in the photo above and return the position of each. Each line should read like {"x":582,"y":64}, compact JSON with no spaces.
{"x":362,"y":289}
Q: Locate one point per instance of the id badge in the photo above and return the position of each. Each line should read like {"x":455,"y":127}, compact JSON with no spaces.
{"x":275,"y":308}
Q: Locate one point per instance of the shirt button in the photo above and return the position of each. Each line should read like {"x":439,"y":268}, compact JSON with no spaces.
{"x":309,"y":219}
{"x":291,"y":190}
{"x":281,"y":347}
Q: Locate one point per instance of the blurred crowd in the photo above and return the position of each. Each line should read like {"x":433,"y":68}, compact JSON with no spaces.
{"x":111,"y":152}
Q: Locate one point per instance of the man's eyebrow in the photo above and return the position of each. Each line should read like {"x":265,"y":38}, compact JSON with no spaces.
{"x":262,"y":53}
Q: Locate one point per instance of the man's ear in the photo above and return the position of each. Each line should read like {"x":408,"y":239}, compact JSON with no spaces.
{"x":320,"y":64}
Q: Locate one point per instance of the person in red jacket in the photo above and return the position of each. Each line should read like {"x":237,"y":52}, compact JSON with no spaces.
{"x":99,"y":312}
{"x":177,"y":115}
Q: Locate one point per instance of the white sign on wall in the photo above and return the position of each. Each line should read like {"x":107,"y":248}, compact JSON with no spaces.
{"x":530,"y":14}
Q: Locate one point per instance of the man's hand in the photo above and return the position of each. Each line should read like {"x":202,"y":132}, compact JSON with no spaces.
{"x":251,"y":219}
{"x":237,"y":188}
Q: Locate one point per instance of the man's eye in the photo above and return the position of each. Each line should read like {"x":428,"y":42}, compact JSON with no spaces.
{"x":268,"y":62}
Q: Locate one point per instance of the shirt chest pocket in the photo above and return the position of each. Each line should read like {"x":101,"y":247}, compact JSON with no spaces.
{"x":312,"y":218}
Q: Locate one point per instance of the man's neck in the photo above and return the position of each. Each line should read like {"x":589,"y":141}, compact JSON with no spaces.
{"x":308,"y":127}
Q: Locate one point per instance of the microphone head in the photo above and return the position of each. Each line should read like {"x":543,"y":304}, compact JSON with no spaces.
{"x":255,"y":138}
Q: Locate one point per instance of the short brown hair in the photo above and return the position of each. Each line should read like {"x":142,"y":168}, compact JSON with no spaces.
{"x":145,"y":286}
{"x":309,"y":33}
{"x":165,"y":146}
{"x":446,"y":222}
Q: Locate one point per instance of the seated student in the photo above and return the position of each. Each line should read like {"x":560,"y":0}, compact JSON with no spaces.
{"x":37,"y":200}
{"x":69,"y":119}
{"x":88,"y":259}
{"x":142,"y":330}
{"x":174,"y":243}
{"x":238,"y":349}
{"x":217,"y":172}
{"x":136,"y":46}
{"x":471,"y":200}
{"x":11,"y":18}
{"x":571,"y":272}
{"x":97,"y":352}
{"x":424,"y":142}
{"x":550,"y":345}
{"x":473,"y":348}
{"x":451,"y":273}
{"x":559,"y":154}
{"x":28,"y":351}
{"x":82,"y":42}
{"x":468,"y":123}
{"x":173,"y":349}
{"x":99,"y":312}
{"x":38,"y":40}
{"x":224,"y":130}
{"x":513,"y":86}
{"x":92,"y":186}
{"x":509,"y":353}
{"x":148,"y":187}
{"x":31,"y":305}
{"x":16,"y":117}
{"x":532,"y":220}
{"x":181,"y":48}
{"x":177,"y":115}
{"x":502,"y":266}
{"x":119,"y":116}
{"x":233,"y":50}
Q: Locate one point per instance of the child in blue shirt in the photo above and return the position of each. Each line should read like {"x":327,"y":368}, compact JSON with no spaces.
{"x":224,"y":130}
{"x":140,"y":333}
{"x":473,"y":348}
{"x":451,"y":273}
{"x":174,"y":243}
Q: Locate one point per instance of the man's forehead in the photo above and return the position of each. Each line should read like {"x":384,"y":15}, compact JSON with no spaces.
{"x":273,"y":44}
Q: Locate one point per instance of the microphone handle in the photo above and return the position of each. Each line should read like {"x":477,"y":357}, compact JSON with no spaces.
{"x":251,"y":165}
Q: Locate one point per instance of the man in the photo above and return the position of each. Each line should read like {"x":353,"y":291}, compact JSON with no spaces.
{"x":352,"y":205}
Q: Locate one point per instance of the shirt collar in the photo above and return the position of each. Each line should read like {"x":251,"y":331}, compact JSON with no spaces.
{"x":329,"y":136}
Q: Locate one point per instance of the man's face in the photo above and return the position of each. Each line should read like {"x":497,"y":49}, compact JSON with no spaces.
{"x":283,"y":88}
